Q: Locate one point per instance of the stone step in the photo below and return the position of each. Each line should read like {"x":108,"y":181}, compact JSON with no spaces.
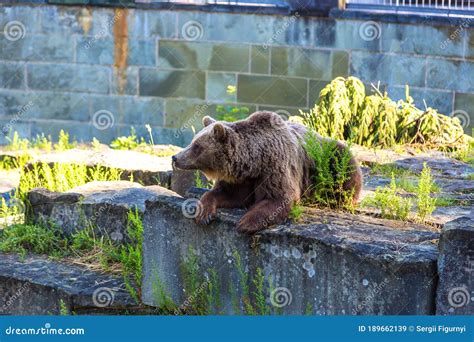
{"x":330,"y":262}
{"x":102,"y":205}
{"x":36,"y":285}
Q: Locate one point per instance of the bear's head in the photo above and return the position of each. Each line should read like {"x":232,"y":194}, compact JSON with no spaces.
{"x":207,"y":151}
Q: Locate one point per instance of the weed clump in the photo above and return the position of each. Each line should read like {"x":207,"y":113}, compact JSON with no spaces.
{"x":344,"y":112}
{"x":425,"y":203}
{"x":390,"y":204}
{"x":332,"y":170}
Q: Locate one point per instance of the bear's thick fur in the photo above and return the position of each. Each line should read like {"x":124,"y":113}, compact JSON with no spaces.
{"x":258,"y":163}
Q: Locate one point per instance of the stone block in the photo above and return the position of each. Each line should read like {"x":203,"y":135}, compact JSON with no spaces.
{"x":464,"y":111}
{"x":101,"y":205}
{"x":124,"y":81}
{"x":443,"y":41}
{"x":217,"y":84}
{"x":54,"y":47}
{"x":340,"y":64}
{"x":12,"y":75}
{"x":440,"y":75}
{"x":95,"y":51}
{"x":315,"y":87}
{"x":22,"y":19}
{"x":59,"y":106}
{"x":272,"y":90}
{"x":37,"y":285}
{"x":204,"y":56}
{"x":374,"y":67}
{"x":333,"y":263}
{"x":130,"y":110}
{"x":229,"y":27}
{"x":348,"y":34}
{"x":455,"y":294}
{"x":67,"y":77}
{"x":301,"y":62}
{"x":160,"y":23}
{"x":172,"y":83}
{"x":259,"y":60}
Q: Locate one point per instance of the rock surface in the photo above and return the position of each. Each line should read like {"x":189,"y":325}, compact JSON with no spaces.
{"x":40,"y":286}
{"x":103,"y":205}
{"x":455,"y":294}
{"x":332,"y":263}
{"x":142,"y":167}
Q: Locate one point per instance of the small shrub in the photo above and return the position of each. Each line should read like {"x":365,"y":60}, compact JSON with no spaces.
{"x":344,"y":112}
{"x":130,"y":142}
{"x":333,"y":170}
{"x":425,"y":203}
{"x":63,"y":142}
{"x":391,"y":205}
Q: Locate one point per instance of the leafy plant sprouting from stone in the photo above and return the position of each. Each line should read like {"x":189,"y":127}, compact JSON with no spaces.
{"x":425,"y":203}
{"x":130,"y":142}
{"x":204,"y":290}
{"x":344,"y":112}
{"x":296,"y":212}
{"x":333,"y":170}
{"x":390,"y":204}
{"x":394,"y":206}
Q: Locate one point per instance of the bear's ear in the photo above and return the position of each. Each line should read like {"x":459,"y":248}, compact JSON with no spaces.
{"x":220,"y":132}
{"x":207,"y":120}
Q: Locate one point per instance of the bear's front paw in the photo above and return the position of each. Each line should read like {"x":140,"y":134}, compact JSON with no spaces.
{"x":206,"y":214}
{"x":251,"y":223}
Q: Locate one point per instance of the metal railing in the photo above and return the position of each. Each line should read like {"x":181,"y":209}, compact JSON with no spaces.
{"x":443,"y":6}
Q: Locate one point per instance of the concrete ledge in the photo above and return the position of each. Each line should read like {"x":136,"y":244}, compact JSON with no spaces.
{"x":102,"y":205}
{"x":455,"y":295}
{"x":331,"y":263}
{"x":40,"y":286}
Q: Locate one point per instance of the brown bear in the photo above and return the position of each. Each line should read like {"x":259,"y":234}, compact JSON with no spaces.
{"x":258,"y":163}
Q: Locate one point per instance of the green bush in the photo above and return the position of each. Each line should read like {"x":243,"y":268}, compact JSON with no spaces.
{"x":344,"y":112}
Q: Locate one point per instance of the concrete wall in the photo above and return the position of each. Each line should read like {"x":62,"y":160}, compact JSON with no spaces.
{"x":97,"y":71}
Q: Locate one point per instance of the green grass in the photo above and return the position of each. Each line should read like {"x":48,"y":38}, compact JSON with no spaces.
{"x":390,"y":204}
{"x":84,"y":245}
{"x":394,"y":206}
{"x":387,"y":170}
{"x":296,"y":212}
{"x":445,"y":202}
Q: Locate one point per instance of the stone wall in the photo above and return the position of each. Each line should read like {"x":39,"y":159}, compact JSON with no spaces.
{"x":97,"y":71}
